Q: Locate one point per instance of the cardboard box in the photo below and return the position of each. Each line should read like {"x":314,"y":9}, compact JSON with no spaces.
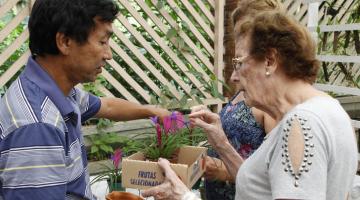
{"x":140,"y":174}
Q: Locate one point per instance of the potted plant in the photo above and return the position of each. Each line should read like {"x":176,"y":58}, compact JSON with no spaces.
{"x":112,"y":173}
{"x":174,"y":140}
{"x":172,"y":133}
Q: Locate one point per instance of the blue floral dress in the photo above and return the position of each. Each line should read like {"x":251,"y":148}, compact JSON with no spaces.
{"x":245,"y":135}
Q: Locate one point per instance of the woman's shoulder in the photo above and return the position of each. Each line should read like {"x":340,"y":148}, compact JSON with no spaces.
{"x":323,"y":115}
{"x":321,"y":107}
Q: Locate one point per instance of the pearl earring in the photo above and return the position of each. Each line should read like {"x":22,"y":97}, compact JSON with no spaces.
{"x":267,"y":73}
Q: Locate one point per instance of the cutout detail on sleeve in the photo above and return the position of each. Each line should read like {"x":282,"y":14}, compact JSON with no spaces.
{"x":297,"y":147}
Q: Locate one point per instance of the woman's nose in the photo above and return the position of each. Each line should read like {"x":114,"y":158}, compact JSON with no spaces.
{"x":234,"y":76}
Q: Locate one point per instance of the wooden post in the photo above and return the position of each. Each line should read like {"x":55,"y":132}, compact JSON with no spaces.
{"x":219,"y":44}
{"x":313,"y":17}
{"x":31,"y":3}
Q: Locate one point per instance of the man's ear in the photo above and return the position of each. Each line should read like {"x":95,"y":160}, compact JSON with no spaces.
{"x":271,"y":61}
{"x":63,"y":43}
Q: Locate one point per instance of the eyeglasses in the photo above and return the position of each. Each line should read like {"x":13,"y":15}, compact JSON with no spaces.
{"x":238,"y":62}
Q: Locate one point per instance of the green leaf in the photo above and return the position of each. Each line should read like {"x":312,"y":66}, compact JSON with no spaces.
{"x":97,"y":142}
{"x":214,"y":90}
{"x":171,"y":33}
{"x":153,"y":100}
{"x":318,"y":30}
{"x":194,"y":91}
{"x":94,"y":149}
{"x":187,"y":49}
{"x":199,"y":100}
{"x":106,"y":148}
{"x":183,"y":101}
{"x":176,"y":9}
{"x":160,"y":5}
{"x":163,"y":100}
{"x":184,"y":24}
{"x":173,"y":103}
{"x":181,"y":42}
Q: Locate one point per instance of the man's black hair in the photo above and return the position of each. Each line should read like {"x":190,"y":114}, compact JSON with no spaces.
{"x":74,"y":18}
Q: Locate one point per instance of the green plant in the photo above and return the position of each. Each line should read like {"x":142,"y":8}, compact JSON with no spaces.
{"x":209,"y":86}
{"x":103,"y":123}
{"x":101,"y":145}
{"x":339,"y":43}
{"x":169,"y":101}
{"x":8,"y":40}
{"x":112,"y":173}
{"x":94,"y":87}
{"x":174,"y":34}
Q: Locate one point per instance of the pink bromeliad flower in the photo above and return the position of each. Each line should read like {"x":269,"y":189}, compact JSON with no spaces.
{"x":179,"y":120}
{"x":116,"y":158}
{"x":155,"y":121}
{"x":158,"y":132}
{"x":173,"y":122}
{"x":167,"y":124}
{"x":170,"y":124}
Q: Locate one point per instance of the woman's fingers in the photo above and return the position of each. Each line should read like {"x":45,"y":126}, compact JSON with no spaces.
{"x":172,"y":188}
{"x":198,"y":108}
{"x":199,"y":113}
{"x":157,"y":191}
{"x":169,"y":173}
{"x":206,"y":116}
{"x":199,"y":123}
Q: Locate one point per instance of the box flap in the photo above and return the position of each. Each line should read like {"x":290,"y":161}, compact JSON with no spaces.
{"x":189,"y":154}
{"x":196,"y":169}
{"x":136,"y":156}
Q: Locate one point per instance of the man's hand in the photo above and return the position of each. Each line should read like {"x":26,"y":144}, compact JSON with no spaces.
{"x":216,"y":170}
{"x":157,"y":111}
{"x":172,"y":188}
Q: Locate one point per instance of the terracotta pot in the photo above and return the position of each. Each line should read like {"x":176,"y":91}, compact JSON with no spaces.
{"x":115,"y":195}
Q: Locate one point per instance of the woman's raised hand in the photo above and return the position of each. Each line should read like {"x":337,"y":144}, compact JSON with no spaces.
{"x":211,"y":124}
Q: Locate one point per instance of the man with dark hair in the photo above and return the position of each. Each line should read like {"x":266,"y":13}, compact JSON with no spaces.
{"x":41,"y":144}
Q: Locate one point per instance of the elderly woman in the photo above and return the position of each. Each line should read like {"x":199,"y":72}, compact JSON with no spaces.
{"x":311,"y":153}
{"x":244,"y":127}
